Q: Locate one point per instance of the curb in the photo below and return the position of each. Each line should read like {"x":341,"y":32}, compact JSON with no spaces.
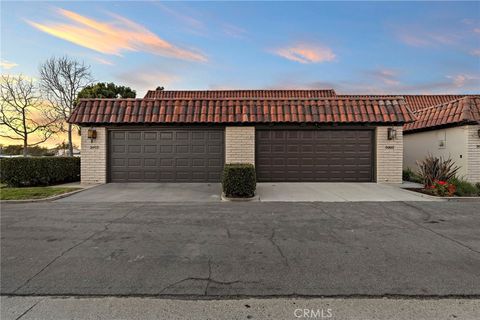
{"x":453,"y":199}
{"x":256,"y":197}
{"x":52,"y":198}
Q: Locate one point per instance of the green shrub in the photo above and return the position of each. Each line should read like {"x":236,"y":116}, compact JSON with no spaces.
{"x":409,"y":175}
{"x":32,"y":171}
{"x":239,"y":180}
{"x":464,"y":188}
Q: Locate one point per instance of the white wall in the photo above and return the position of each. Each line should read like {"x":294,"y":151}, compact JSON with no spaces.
{"x":418,"y":145}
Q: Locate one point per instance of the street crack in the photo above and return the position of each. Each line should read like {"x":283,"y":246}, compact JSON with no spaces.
{"x":208,"y":279}
{"x":105,"y":228}
{"x":280,"y":251}
{"x":421,"y":210}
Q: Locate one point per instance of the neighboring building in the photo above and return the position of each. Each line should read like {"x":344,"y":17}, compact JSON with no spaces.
{"x":450,"y":130}
{"x":64,"y":152}
{"x":290,"y":135}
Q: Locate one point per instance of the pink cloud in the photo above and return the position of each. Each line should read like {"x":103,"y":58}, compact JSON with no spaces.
{"x":103,"y":61}
{"x":306,"y":53}
{"x":464,"y":80}
{"x":475,"y":52}
{"x":113,"y":37}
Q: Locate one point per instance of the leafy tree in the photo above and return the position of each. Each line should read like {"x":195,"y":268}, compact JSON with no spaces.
{"x":23,"y":113}
{"x":106,"y":90}
{"x":62,"y":79}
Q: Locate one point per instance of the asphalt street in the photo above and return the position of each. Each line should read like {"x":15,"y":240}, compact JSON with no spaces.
{"x":241,"y":249}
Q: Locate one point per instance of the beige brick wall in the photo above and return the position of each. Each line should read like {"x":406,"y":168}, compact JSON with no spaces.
{"x":94,"y":157}
{"x":240,"y":145}
{"x":473,"y":153}
{"x":389,"y":156}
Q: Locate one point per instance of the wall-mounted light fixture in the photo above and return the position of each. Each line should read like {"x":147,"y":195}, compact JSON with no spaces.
{"x":391,"y":134}
{"x":92,"y":134}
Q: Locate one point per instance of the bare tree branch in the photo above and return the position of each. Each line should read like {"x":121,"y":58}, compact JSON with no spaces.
{"x":22,"y":112}
{"x":61,"y":81}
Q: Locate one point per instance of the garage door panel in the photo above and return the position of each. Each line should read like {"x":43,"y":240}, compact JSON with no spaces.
{"x":134,"y":148}
{"x":119,"y":136}
{"x":166,"y":155}
{"x":166,"y":136}
{"x":150,"y":136}
{"x":150,"y":149}
{"x":134,"y":136}
{"x":119,"y":149}
{"x":314,"y":155}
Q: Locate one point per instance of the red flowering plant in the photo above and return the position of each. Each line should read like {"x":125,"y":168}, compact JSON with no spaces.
{"x":442,"y":188}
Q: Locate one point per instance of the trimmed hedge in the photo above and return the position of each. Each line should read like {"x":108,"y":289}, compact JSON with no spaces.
{"x":239,"y":180}
{"x":39,"y":171}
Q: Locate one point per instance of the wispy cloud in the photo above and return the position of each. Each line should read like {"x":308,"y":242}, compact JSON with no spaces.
{"x":306,"y":53}
{"x":475,"y":52}
{"x":7,"y":65}
{"x":113,"y":37}
{"x":233,"y":31}
{"x":193,"y":25}
{"x":465,"y":80}
{"x":376,"y":84}
{"x":417,"y":38}
{"x":103,"y":61}
{"x":142,"y":79}
{"x":386,"y":76}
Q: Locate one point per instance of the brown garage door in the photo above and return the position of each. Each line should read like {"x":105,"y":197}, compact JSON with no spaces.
{"x":314,"y":155}
{"x":166,"y":155}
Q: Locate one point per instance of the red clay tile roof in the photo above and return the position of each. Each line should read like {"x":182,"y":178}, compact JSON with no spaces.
{"x":240,"y":94}
{"x":461,"y":111}
{"x":190,"y":111}
{"x":417,"y":102}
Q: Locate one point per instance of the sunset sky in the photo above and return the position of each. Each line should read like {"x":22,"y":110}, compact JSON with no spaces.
{"x":353,"y":47}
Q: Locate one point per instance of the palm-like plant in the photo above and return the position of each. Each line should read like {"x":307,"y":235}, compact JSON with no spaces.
{"x":433,"y":169}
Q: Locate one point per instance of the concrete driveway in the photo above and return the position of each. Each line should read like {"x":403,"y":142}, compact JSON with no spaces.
{"x":267,"y":192}
{"x":334,"y":192}
{"x":149,"y":192}
{"x":241,"y":249}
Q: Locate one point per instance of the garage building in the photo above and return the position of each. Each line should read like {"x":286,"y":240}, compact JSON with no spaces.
{"x":290,"y":135}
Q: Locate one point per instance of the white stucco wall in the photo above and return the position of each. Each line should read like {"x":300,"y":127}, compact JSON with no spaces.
{"x":418,"y":145}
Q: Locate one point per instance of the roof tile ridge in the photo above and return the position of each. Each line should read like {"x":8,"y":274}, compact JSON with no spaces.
{"x":440,"y":104}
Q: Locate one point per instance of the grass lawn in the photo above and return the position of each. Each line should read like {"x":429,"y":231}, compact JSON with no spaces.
{"x":31,"y":193}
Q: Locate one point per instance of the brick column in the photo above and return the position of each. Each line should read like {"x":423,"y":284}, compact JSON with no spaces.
{"x":473,"y":153}
{"x":94,"y":156}
{"x":389,"y":155}
{"x":240,"y":145}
